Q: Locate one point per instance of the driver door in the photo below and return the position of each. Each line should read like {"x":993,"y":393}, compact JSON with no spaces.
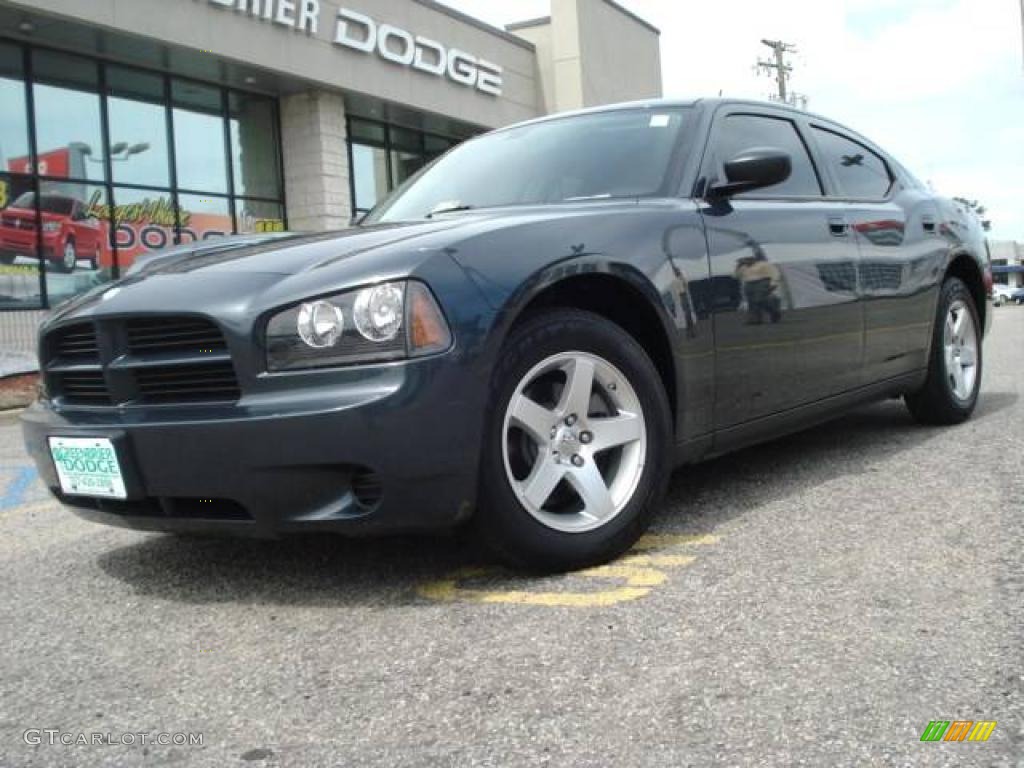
{"x":788,"y":323}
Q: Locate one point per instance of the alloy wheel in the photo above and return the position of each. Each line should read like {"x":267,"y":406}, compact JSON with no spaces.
{"x":70,"y":257}
{"x":574,"y":442}
{"x":960,"y":343}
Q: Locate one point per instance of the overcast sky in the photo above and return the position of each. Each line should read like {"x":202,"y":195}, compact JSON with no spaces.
{"x":938,"y":83}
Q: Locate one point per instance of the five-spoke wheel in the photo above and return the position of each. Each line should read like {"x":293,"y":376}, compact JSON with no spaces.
{"x":574,"y":443}
{"x":578,"y":447}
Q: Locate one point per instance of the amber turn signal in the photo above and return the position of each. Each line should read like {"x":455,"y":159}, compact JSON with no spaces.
{"x":428,"y":331}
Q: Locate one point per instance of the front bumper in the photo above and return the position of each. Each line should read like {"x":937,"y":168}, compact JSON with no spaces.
{"x":377,"y":449}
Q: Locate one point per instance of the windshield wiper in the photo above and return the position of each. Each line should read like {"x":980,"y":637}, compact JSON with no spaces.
{"x":448,"y":208}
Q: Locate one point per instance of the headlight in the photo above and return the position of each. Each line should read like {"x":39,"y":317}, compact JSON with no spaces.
{"x":389,"y":321}
{"x":51,"y":226}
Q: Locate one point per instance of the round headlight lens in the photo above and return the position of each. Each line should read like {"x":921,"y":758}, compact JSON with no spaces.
{"x":320,"y":324}
{"x":378,"y":311}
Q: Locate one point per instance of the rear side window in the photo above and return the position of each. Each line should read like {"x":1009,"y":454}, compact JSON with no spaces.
{"x":739,"y":133}
{"x":859,"y":171}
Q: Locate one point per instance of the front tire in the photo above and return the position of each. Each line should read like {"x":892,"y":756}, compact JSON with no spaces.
{"x":577,"y":446}
{"x":950,"y":393}
{"x":68,"y":257}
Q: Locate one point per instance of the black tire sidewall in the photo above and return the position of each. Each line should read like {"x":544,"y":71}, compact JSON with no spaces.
{"x":508,"y":528}
{"x":936,"y":403}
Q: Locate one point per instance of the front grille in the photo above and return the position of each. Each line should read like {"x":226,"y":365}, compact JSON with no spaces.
{"x":177,"y":334}
{"x":191,"y":383}
{"x":164,"y":506}
{"x":85,"y":387}
{"x":77,"y":342}
{"x":153,"y":359}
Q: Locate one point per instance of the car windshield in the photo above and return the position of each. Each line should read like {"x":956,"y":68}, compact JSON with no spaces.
{"x":618,"y":154}
{"x":48,"y":203}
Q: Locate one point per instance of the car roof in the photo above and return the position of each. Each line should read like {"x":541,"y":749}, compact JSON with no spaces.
{"x":707,"y":103}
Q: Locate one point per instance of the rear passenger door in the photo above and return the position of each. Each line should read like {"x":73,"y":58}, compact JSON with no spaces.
{"x":895,"y":225}
{"x":788,"y":326}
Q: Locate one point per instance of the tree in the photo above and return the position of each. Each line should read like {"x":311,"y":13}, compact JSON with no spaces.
{"x":977,"y":209}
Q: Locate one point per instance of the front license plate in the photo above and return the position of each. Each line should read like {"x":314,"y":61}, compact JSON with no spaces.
{"x":88,"y":466}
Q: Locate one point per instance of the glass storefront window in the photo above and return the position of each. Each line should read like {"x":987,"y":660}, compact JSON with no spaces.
{"x":257,"y":216}
{"x":138,"y":128}
{"x":224,"y":143}
{"x":365,"y":132}
{"x":370,"y":174}
{"x":20,"y":287}
{"x":199,"y":138}
{"x":385,"y":156}
{"x":13,"y":113}
{"x":254,"y":146}
{"x":144,"y":221}
{"x":67,"y":117}
{"x":204,"y":217}
{"x":436,"y":146}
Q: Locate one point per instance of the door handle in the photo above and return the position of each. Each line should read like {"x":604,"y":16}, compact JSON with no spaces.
{"x":928,"y":222}
{"x":838,"y":226}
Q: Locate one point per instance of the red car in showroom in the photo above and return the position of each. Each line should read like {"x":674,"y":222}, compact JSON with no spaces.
{"x":69,"y":233}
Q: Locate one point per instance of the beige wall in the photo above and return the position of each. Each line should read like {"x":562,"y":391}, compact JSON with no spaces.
{"x":593,"y":52}
{"x":621,"y":56}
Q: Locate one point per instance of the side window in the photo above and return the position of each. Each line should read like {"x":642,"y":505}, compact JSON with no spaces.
{"x":859,"y":171}
{"x":739,"y":133}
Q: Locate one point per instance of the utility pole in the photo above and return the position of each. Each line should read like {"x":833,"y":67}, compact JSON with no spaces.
{"x":782,"y":71}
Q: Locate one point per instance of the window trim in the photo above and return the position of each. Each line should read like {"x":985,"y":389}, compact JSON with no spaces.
{"x":837,"y":192}
{"x":707,"y":172}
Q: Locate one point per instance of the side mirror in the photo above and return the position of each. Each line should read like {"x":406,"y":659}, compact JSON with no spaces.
{"x":753,"y":169}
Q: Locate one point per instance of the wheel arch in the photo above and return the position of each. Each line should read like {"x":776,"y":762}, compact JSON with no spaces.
{"x":965,"y":267}
{"x":621,"y":295}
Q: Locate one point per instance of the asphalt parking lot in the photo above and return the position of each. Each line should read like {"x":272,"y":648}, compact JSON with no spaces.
{"x":814,"y":601}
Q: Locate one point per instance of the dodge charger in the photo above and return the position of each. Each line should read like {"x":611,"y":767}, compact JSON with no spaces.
{"x":524,"y":340}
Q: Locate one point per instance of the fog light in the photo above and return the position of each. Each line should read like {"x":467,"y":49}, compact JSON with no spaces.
{"x":320,"y":324}
{"x":378,"y":311}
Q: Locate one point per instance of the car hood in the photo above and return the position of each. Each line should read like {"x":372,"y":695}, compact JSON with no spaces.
{"x":287,"y":255}
{"x":250,"y":274}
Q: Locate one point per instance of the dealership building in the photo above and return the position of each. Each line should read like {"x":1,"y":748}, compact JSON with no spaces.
{"x":129,"y":125}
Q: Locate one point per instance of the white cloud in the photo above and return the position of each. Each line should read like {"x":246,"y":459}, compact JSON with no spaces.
{"x":939,"y":83}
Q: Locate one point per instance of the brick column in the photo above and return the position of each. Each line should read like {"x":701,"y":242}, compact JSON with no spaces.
{"x":316,"y":172}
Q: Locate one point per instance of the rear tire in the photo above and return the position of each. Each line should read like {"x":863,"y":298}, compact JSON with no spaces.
{"x":950,"y":393}
{"x":563,"y":487}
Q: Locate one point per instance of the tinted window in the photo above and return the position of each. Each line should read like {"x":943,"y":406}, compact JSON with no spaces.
{"x":859,"y":171}
{"x":618,"y":154}
{"x":739,"y":133}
